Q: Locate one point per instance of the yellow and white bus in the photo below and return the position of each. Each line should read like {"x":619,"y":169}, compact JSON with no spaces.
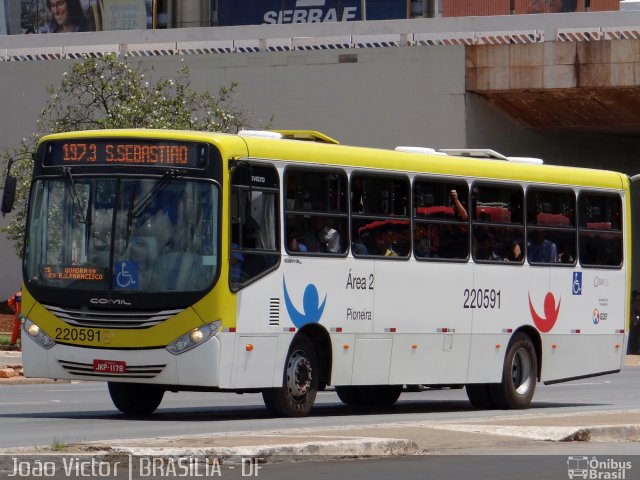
{"x":282,"y":262}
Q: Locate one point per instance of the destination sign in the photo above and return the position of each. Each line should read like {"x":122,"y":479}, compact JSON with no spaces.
{"x":126,"y":152}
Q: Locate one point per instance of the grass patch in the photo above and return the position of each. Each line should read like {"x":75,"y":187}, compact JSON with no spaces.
{"x":57,"y":445}
{"x":5,"y":343}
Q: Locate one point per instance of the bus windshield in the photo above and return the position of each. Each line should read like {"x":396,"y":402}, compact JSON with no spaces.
{"x":125,"y":235}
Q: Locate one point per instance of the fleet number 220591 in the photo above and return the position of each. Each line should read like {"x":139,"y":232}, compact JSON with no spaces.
{"x":481,"y":298}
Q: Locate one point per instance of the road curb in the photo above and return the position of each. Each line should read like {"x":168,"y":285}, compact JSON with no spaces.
{"x":614,"y":433}
{"x":324,"y":450}
{"x":600,"y":433}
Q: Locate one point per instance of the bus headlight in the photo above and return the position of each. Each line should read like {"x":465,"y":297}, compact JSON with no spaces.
{"x":37,"y":334}
{"x":193,"y":338}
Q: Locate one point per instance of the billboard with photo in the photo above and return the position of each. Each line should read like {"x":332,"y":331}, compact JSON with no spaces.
{"x":257,"y":12}
{"x":60,"y":16}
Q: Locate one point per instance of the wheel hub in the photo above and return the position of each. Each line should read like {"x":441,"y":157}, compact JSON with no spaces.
{"x":299,"y":374}
{"x":521,"y":374}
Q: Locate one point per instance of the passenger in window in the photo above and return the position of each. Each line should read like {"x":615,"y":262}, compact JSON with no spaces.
{"x":250,"y":231}
{"x":358,"y":247}
{"x":295,"y":243}
{"x":566,"y":253}
{"x":235,"y":266}
{"x":514,"y":252}
{"x":456,"y":241}
{"x":236,"y":260}
{"x":428,"y":241}
{"x":323,"y":237}
{"x":484,"y":246}
{"x":392,"y":249}
{"x":489,"y":248}
{"x":540,"y":249}
{"x":459,"y":211}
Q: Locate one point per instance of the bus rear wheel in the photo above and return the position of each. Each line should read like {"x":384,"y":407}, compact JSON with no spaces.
{"x":519,"y":375}
{"x":135,"y":398}
{"x":300,"y":384}
{"x":479,"y":395}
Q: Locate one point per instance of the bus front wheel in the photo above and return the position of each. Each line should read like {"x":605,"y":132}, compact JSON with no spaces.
{"x":349,"y":395}
{"x":135,"y":398}
{"x":300,"y":384}
{"x":369,"y":395}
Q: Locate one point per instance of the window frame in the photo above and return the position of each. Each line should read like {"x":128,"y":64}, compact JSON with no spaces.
{"x":313,"y":213}
{"x":476,"y":224}
{"x":276,"y":253}
{"x":355,"y":174}
{"x":435,"y":221}
{"x":618,"y":233}
{"x":529,"y":227}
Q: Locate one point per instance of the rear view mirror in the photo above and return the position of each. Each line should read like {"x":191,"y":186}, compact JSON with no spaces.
{"x":9,"y":194}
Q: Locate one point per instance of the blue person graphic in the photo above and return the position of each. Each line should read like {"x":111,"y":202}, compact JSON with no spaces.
{"x":310,"y":305}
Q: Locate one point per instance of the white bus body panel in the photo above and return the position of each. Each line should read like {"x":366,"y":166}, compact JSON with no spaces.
{"x":405,"y":322}
{"x":196,"y":367}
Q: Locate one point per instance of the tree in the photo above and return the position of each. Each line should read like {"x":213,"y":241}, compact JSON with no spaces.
{"x":110,"y":92}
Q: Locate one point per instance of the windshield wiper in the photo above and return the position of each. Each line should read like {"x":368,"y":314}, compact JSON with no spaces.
{"x":136,"y":209}
{"x":75,"y":197}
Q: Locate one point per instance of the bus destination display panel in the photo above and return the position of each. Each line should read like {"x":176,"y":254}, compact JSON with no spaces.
{"x":109,"y":152}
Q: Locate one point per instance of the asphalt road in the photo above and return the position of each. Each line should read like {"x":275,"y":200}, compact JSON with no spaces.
{"x":50,"y":414}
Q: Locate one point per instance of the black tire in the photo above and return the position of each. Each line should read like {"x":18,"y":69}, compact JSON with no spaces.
{"x":135,"y":398}
{"x":349,"y":395}
{"x":415,"y":387}
{"x":380,"y":395}
{"x":519,"y":375}
{"x":480,"y":395}
{"x":300,"y":382}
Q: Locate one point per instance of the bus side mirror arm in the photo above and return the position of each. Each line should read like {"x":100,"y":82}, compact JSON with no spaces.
{"x":634,"y":178}
{"x":9,"y":192}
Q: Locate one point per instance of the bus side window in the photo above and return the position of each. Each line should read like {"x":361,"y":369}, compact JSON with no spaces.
{"x":380,"y":224}
{"x":497,"y":223}
{"x":441,"y":227}
{"x":551,"y":228}
{"x":318,"y":223}
{"x":600,"y":229}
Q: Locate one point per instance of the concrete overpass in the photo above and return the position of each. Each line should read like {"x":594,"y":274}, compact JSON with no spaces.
{"x":557,"y":86}
{"x":586,"y":85}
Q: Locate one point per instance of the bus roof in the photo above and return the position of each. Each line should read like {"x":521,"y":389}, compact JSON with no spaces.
{"x":316,"y":148}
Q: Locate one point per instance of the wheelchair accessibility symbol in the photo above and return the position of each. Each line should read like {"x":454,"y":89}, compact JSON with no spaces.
{"x":576,"y":288}
{"x":126,"y":275}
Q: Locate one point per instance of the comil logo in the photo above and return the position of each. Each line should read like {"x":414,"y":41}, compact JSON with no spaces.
{"x":312,"y":11}
{"x":597,"y":469}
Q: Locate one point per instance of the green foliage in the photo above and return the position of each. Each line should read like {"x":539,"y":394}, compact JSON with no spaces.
{"x":57,"y":445}
{"x":110,"y":92}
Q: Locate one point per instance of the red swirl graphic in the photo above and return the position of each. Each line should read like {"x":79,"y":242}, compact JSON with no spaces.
{"x":547,"y":322}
